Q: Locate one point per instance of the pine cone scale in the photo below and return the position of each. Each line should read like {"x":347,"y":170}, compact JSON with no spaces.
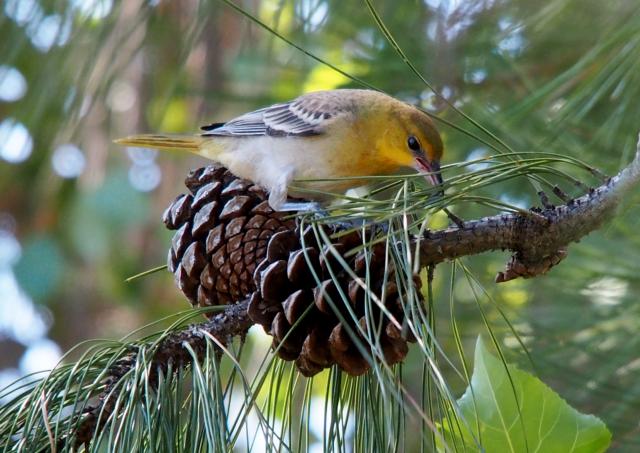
{"x":204,"y":220}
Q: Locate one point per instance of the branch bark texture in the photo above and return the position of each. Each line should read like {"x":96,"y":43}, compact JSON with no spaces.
{"x":538,"y":238}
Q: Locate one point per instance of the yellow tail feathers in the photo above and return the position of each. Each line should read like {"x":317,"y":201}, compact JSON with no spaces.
{"x":165,"y":142}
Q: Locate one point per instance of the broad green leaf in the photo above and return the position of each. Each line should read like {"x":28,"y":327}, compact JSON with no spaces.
{"x":508,"y":410}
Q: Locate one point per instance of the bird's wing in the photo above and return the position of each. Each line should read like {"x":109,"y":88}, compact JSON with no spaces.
{"x":307,"y":115}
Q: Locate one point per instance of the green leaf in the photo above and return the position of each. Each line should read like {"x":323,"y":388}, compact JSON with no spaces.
{"x":508,"y":410}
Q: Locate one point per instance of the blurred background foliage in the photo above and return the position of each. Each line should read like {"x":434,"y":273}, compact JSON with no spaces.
{"x":78,"y":215}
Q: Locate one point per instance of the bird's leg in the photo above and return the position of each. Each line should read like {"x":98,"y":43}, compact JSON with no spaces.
{"x":454,"y":218}
{"x":305,"y":206}
{"x":278,"y":196}
{"x":278,"y":192}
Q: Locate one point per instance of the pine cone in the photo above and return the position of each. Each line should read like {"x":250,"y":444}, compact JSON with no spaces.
{"x":223,"y":227}
{"x":309,"y":322}
{"x":230,"y":245}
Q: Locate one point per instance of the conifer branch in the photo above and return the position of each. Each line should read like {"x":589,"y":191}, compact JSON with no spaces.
{"x":173,"y":351}
{"x":539,"y":238}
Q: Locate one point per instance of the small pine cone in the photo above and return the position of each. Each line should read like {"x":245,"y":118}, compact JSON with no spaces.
{"x":299,"y":301}
{"x":222,"y":229}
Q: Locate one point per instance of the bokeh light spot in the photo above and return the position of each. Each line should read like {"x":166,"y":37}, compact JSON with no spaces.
{"x":68,"y":161}
{"x":476,"y":154}
{"x":19,"y":317}
{"x":513,"y":43}
{"x":476,"y":76}
{"x":22,"y":11}
{"x":606,"y":291}
{"x":313,"y":13}
{"x":93,"y":9}
{"x":9,"y":249}
{"x":141,"y":156}
{"x":122,"y":96}
{"x":49,"y":31}
{"x":16,"y":143}
{"x":40,"y":356}
{"x":145,"y":178}
{"x":13,"y":85}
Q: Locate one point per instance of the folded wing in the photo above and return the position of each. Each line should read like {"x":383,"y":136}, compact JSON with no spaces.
{"x":308,"y":115}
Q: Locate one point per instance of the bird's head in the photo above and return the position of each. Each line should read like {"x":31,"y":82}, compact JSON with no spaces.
{"x":413,"y":141}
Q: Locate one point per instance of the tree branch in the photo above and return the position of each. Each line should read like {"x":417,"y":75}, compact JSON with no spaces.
{"x":233,"y":322}
{"x":538,"y":239}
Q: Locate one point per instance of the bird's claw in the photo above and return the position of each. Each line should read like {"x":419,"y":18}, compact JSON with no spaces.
{"x":303,"y":206}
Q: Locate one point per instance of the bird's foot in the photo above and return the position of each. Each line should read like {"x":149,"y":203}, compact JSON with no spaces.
{"x":319,"y":212}
{"x":302,"y":206}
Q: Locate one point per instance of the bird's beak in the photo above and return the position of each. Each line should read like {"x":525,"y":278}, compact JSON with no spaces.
{"x":432,"y":167}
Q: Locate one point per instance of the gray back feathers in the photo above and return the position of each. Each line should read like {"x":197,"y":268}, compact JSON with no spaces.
{"x":307,"y":115}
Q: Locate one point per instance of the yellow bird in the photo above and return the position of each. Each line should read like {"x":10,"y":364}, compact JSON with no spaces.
{"x":321,"y":135}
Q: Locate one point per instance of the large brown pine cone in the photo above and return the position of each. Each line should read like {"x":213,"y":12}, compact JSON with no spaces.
{"x":229,"y":245}
{"x":317,"y":309}
{"x":223,"y":226}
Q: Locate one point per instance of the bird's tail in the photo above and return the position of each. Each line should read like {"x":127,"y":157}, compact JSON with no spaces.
{"x":191,"y":143}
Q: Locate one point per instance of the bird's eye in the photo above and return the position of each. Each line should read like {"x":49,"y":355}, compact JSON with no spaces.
{"x":413,"y":143}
